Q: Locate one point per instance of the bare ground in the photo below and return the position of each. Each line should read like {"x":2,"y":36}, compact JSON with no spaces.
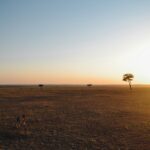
{"x":75,"y":118}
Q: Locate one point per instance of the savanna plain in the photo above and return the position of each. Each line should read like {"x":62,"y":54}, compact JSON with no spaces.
{"x":75,"y":118}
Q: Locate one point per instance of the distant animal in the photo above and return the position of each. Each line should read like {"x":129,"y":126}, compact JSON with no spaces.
{"x":18,"y":122}
{"x":21,"y":122}
{"x":40,"y":86}
{"x":89,"y":85}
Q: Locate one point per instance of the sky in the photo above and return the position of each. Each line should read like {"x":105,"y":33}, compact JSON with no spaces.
{"x":74,"y":41}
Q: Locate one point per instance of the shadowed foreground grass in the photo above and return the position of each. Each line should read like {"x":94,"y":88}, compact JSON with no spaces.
{"x":76,"y":118}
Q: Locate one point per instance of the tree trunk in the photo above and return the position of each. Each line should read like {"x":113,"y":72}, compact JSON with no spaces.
{"x":130,"y":85}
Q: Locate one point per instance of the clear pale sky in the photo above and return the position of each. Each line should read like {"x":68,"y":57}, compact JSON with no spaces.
{"x":74,"y":41}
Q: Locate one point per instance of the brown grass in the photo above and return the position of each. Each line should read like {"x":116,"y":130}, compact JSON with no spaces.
{"x":75,"y":118}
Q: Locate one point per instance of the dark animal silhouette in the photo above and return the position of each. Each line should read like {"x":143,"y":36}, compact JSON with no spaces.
{"x":89,"y":85}
{"x":18,"y":122}
{"x":40,"y":86}
{"x":21,"y":122}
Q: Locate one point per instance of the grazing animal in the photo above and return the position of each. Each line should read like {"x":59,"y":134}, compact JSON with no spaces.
{"x":18,"y":122}
{"x":41,"y":86}
{"x":89,"y":85}
{"x":21,"y":122}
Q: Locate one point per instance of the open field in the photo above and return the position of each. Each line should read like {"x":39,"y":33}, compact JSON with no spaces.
{"x":75,"y":118}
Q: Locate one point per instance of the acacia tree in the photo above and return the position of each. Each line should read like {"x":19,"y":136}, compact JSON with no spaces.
{"x":128,"y":78}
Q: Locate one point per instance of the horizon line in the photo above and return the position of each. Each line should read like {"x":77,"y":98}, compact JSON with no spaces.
{"x":67,"y":84}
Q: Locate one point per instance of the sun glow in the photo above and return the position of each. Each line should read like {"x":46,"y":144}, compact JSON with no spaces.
{"x":140,"y":66}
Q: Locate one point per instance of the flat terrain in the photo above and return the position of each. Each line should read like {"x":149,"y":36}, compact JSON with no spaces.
{"x":75,"y":118}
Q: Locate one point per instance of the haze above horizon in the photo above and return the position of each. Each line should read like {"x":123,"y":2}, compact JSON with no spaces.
{"x":74,"y":42}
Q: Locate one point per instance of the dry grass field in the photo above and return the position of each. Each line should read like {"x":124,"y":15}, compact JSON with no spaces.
{"x":75,"y":118}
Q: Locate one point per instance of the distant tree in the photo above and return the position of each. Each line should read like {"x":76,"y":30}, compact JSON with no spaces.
{"x":128,"y":78}
{"x":40,"y":86}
